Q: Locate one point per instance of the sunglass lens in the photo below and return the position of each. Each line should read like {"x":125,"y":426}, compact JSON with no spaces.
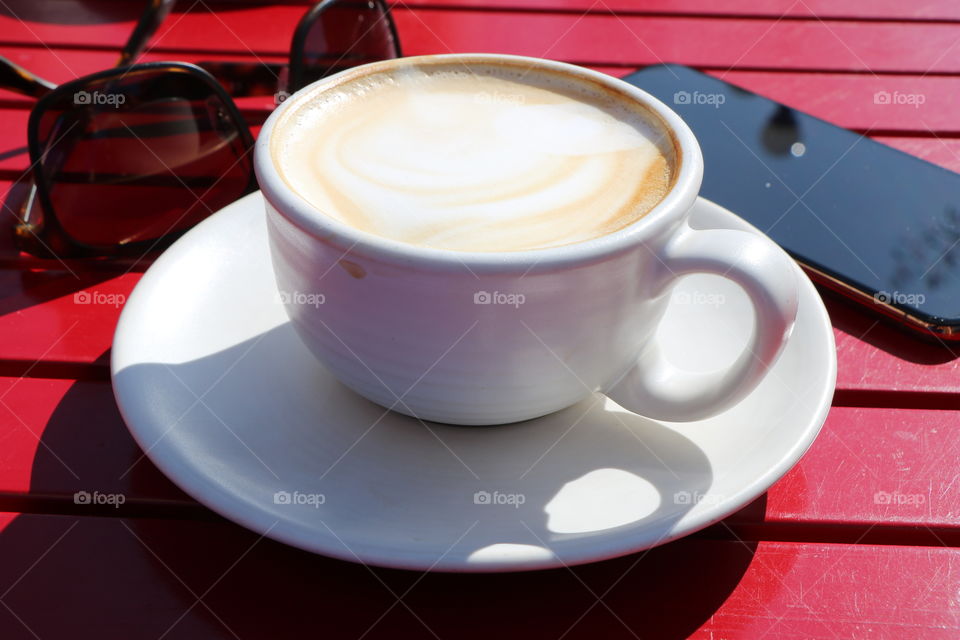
{"x":140,"y":155}
{"x":343,"y":35}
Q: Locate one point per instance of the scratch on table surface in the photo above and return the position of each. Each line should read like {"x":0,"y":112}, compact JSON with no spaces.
{"x":945,"y":488}
{"x":820,"y":482}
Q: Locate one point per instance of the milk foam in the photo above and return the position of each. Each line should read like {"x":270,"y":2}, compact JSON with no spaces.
{"x":473,"y":162}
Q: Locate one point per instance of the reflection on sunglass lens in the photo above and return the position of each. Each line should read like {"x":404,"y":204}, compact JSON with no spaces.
{"x":140,"y":156}
{"x":346,"y":34}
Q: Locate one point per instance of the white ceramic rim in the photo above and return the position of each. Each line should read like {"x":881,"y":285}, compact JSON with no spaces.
{"x":689,"y":174}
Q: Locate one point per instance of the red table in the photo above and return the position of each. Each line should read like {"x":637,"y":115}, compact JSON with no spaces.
{"x":817,"y":557}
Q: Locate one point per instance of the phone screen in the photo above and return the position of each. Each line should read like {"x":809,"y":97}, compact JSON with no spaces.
{"x":877,"y":218}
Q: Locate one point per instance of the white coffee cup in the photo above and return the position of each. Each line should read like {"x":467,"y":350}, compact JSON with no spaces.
{"x":483,"y":338}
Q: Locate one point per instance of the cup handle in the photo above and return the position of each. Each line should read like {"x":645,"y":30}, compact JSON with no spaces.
{"x":655,"y":388}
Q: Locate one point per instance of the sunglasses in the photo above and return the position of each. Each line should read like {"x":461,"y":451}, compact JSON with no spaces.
{"x":333,"y":35}
{"x":127,"y":159}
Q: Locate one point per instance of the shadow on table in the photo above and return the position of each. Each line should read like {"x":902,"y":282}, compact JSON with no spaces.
{"x":114,"y":578}
{"x":884,"y":335}
{"x":13,"y":152}
{"x":117,"y":576}
{"x":72,"y":12}
{"x":26,"y":288}
{"x":84,"y":12}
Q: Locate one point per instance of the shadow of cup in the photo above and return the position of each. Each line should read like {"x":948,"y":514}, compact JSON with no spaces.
{"x":346,"y":477}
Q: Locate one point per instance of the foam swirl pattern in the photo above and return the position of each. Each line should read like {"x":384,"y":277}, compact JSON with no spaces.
{"x":473,"y":162}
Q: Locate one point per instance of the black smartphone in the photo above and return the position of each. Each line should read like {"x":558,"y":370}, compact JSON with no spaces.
{"x":877,"y":225}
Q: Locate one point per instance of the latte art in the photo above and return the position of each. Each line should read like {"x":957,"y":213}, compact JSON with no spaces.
{"x":474,"y":161}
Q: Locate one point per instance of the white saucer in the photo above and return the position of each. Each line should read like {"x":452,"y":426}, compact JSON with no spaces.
{"x":221,"y":395}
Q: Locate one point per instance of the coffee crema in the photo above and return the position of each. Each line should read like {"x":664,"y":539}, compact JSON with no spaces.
{"x":485,"y":159}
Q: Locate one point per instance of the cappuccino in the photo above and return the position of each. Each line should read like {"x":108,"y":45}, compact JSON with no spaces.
{"x":479,"y":158}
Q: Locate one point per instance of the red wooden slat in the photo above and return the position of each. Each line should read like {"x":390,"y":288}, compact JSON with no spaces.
{"x":718,"y":43}
{"x":62,"y":436}
{"x":935,"y":10}
{"x":242,"y":28}
{"x":825,"y":9}
{"x":594,"y":39}
{"x":51,"y":317}
{"x":14,"y":157}
{"x":876,"y":466}
{"x":117,"y":578}
{"x":876,"y":355}
{"x":928,"y":104}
